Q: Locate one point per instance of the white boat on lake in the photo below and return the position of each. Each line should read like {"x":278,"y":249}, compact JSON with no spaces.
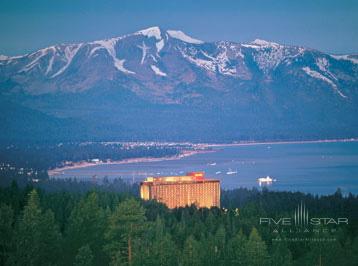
{"x":266,"y":180}
{"x":231,"y":172}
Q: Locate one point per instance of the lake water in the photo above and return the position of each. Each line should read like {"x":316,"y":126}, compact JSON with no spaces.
{"x":318,"y":168}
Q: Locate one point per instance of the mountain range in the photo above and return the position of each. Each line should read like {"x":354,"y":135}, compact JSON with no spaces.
{"x":158,"y":84}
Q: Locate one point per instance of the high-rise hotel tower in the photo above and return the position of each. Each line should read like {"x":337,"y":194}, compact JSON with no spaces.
{"x":181,"y":191}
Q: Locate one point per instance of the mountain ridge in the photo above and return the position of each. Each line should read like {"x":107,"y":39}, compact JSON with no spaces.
{"x":240,"y":90}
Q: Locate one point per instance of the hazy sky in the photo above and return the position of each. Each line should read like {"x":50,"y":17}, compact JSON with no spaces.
{"x":327,"y":25}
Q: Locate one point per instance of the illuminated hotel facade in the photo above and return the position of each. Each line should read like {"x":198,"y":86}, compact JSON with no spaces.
{"x":181,"y":191}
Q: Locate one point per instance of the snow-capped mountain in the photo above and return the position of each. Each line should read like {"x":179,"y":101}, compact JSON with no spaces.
{"x":167,"y":67}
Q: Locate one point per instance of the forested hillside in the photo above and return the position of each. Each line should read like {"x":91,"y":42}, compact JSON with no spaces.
{"x":100,"y":227}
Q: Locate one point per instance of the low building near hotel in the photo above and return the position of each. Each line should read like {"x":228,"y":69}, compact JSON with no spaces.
{"x":181,"y":191}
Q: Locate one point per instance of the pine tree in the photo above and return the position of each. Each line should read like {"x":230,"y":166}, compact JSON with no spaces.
{"x":50,"y":242}
{"x":191,"y":253}
{"x":281,"y":255}
{"x":84,"y":256}
{"x":37,"y":238}
{"x":220,"y":244}
{"x":86,"y":227}
{"x":210,"y":223}
{"x":354,"y":250}
{"x":126,"y":226}
{"x":256,"y":250}
{"x":6,"y":232}
{"x":163,"y":251}
{"x":326,"y":252}
{"x":215,"y":247}
{"x":236,"y":249}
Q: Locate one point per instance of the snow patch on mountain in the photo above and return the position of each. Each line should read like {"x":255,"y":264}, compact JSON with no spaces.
{"x":214,"y":63}
{"x":38,"y":55}
{"x":70,"y":53}
{"x":144,"y":49}
{"x":94,"y":50}
{"x":119,"y":64}
{"x":258,"y":44}
{"x":5,"y":60}
{"x":346,"y":57}
{"x":323,"y":65}
{"x":151,"y":32}
{"x":157,"y":71}
{"x":50,"y":64}
{"x":153,"y":57}
{"x":317,"y":75}
{"x":177,"y":34}
{"x":268,"y":55}
{"x":223,"y":61}
{"x":206,"y":64}
{"x":270,"y":59}
{"x":239,"y":53}
{"x":159,"y":45}
{"x":52,"y":50}
{"x":195,"y":56}
{"x":109,"y":46}
{"x":3,"y":57}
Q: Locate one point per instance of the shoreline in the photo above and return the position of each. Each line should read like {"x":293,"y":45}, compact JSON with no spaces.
{"x":248,"y":143}
{"x":58,"y":171}
{"x":186,"y":153}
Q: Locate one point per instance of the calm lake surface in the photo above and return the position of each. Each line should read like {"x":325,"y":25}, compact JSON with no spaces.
{"x":318,"y":168}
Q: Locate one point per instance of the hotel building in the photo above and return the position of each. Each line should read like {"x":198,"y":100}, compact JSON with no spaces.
{"x":181,"y":191}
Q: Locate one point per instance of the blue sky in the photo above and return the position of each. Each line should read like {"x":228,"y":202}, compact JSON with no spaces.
{"x":327,"y":25}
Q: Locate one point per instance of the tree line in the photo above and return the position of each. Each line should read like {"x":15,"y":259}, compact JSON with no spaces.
{"x":102,"y":227}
